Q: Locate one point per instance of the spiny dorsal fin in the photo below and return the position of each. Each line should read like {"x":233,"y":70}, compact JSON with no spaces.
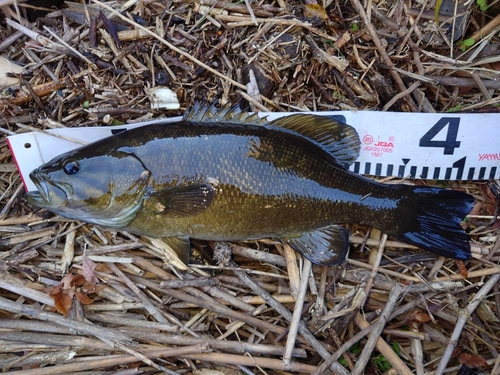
{"x":338,"y":139}
{"x":205,"y":112}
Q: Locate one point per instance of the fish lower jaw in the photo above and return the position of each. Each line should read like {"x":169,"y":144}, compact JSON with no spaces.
{"x":36,"y":198}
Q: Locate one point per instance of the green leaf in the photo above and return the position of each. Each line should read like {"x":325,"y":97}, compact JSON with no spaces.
{"x":436,"y":11}
{"x":356,"y":348}
{"x":482,"y":5}
{"x":395,"y":347}
{"x":455,"y":109}
{"x":467,"y":43}
{"x":382,"y":363}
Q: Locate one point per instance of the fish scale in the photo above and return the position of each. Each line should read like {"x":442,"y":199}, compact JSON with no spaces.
{"x":229,"y":175}
{"x":245,"y":184}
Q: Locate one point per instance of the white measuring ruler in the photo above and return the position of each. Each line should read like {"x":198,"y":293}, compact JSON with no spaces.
{"x":426,"y":145}
{"x":414,"y":145}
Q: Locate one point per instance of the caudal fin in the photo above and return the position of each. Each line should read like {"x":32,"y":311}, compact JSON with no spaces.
{"x":435,"y":222}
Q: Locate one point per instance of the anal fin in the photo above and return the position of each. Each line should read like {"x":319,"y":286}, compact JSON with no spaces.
{"x":181,"y":246}
{"x":325,"y":247}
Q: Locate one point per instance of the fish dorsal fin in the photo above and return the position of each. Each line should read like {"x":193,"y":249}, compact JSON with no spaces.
{"x":338,"y":139}
{"x":204,"y":112}
{"x":325,"y":246}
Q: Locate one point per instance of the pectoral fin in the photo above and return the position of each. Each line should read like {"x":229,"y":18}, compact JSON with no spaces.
{"x":183,"y":201}
{"x":326,"y":246}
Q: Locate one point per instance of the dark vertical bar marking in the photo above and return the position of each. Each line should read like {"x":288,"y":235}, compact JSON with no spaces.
{"x":425,"y":172}
{"x":470,"y":176}
{"x":460,"y":165}
{"x":493,"y":172}
{"x":482,"y":172}
{"x":390,"y":169}
{"x":447,"y":174}
{"x":413,"y":171}
{"x":401,"y":171}
{"x":368,"y":166}
{"x":437,"y":170}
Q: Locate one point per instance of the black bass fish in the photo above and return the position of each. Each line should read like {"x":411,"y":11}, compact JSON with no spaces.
{"x":229,"y":175}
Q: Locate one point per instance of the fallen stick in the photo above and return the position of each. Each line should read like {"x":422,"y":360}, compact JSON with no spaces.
{"x":244,"y":360}
{"x":374,"y":339}
{"x":297,"y":312}
{"x":110,"y":361}
{"x":386,"y":350}
{"x":463,"y":317}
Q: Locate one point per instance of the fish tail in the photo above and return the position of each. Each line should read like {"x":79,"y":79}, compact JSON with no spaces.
{"x":434,"y":224}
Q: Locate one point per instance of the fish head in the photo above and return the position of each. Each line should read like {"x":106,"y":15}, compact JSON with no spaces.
{"x":106,"y":189}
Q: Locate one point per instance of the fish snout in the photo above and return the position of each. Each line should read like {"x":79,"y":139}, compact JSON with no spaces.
{"x":48,"y":194}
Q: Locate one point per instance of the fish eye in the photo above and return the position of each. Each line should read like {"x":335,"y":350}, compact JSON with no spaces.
{"x":71,"y":167}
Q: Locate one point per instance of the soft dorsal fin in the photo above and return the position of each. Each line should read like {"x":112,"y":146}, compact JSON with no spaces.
{"x":205,"y":112}
{"x":338,"y":139}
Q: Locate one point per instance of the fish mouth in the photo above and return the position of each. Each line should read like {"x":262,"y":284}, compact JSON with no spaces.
{"x":48,"y":193}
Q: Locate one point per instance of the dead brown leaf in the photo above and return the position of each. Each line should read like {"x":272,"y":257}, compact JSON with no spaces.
{"x":83,"y":298}
{"x":462,"y":268}
{"x":420,"y":317}
{"x":73,"y":285}
{"x":88,"y":267}
{"x":77,"y":280}
{"x":473,"y":360}
{"x":63,"y":302}
{"x":315,"y":11}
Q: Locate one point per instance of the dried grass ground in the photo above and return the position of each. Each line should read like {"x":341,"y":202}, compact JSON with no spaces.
{"x":129,"y":309}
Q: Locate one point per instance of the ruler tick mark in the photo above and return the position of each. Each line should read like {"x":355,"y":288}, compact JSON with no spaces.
{"x":493,"y":171}
{"x":413,"y":171}
{"x":368,"y":166}
{"x":390,"y":169}
{"x":482,"y":172}
{"x":437,"y":171}
{"x":425,"y":172}
{"x":470,"y":176}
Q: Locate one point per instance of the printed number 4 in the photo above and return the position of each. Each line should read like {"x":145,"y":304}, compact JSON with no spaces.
{"x":450,"y":143}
